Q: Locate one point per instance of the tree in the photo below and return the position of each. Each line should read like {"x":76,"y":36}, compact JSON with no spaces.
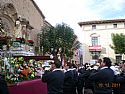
{"x":59,"y":37}
{"x":118,"y":43}
{"x":46,"y":38}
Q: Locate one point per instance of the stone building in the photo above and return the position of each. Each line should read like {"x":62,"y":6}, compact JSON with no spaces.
{"x":20,"y":22}
{"x":97,"y":38}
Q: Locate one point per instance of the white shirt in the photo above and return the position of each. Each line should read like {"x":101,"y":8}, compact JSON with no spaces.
{"x":103,"y":67}
{"x":58,"y":69}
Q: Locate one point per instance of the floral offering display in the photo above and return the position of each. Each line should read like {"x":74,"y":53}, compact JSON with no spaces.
{"x":21,"y":40}
{"x":17,"y":69}
{"x":30,"y":42}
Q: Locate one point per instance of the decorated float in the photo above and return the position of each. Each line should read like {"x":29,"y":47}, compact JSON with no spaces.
{"x":20,"y":69}
{"x":24,"y":73}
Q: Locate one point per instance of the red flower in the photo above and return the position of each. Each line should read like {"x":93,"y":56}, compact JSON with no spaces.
{"x":21,"y":39}
{"x":30,"y":41}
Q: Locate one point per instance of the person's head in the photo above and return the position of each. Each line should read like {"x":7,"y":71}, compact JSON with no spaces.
{"x":74,"y":66}
{"x":122,"y":65}
{"x":99,"y":61}
{"x":55,"y":64}
{"x":116,"y":64}
{"x":69,"y":64}
{"x":106,"y":62}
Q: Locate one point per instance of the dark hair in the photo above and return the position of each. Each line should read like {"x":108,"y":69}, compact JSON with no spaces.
{"x":116,"y":64}
{"x":57,"y":63}
{"x":107,"y":61}
{"x":69,"y":64}
{"x":74,"y":65}
{"x":99,"y":60}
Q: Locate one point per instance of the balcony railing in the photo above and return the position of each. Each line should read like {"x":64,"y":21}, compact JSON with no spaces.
{"x":95,"y":48}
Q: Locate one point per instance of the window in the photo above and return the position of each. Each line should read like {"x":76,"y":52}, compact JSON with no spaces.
{"x":94,"y":41}
{"x":93,"y":27}
{"x":115,"y":25}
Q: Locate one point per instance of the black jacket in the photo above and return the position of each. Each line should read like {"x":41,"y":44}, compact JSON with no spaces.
{"x":102,"y":81}
{"x":70,"y":82}
{"x":54,"y":81}
{"x":119,"y":81}
{"x":83,"y":81}
{"x":71,"y":78}
{"x":3,"y":85}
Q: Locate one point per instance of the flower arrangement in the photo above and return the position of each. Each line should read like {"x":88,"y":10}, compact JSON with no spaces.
{"x":21,"y":70}
{"x":30,"y":42}
{"x":21,"y":40}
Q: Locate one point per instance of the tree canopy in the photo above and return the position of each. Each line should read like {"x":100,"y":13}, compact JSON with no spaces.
{"x":118,"y":43}
{"x":59,"y":37}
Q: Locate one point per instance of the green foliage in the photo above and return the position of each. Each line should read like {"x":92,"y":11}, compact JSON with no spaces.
{"x":20,"y":69}
{"x":118,"y":43}
{"x":62,"y":36}
{"x":36,"y":49}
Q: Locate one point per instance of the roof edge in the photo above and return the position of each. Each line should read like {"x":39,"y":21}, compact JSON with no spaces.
{"x":101,"y":21}
{"x":36,"y":6}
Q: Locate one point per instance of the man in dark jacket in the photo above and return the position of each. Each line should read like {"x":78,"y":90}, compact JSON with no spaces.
{"x":103,"y":78}
{"x":80,"y":83}
{"x":70,"y":80}
{"x":119,"y":81}
{"x":54,"y":79}
{"x":3,"y":85}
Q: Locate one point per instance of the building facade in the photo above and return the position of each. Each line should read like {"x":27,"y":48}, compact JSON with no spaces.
{"x":20,"y":22}
{"x":77,"y":52}
{"x":97,"y":38}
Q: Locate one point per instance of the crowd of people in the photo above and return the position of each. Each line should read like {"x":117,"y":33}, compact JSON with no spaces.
{"x":103,"y":77}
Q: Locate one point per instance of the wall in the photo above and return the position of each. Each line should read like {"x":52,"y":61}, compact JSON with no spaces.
{"x":26,"y":9}
{"x":105,"y":31}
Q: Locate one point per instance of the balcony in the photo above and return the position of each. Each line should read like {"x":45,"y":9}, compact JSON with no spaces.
{"x":97,"y":48}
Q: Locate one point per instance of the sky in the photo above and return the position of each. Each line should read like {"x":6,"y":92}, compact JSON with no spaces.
{"x":72,"y":12}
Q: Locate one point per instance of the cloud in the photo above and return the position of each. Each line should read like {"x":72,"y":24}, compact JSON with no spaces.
{"x":73,"y":11}
{"x":107,"y":8}
{"x":76,"y":10}
{"x":116,"y":4}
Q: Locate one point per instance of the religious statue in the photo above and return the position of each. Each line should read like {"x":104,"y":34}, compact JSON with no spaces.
{"x":18,"y":28}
